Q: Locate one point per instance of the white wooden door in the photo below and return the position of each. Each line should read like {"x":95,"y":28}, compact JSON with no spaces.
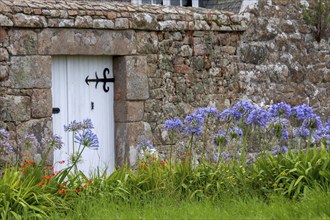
{"x":78,"y":101}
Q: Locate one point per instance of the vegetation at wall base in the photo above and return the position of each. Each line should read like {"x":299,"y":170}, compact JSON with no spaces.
{"x":288,"y":177}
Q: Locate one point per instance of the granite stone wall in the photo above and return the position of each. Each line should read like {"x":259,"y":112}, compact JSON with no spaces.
{"x":167,"y":61}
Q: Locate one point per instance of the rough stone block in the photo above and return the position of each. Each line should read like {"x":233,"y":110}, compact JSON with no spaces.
{"x":135,"y":111}
{"x":121,"y":23}
{"x":40,"y":128}
{"x":136,"y":78}
{"x":144,"y":21}
{"x":86,"y":42}
{"x":23,"y":20}
{"x":23,"y":42}
{"x":5,"y":21}
{"x":30,"y":72}
{"x":4,"y":56}
{"x":15,"y":108}
{"x":136,"y":132}
{"x":4,"y":38}
{"x":41,"y":103}
{"x":3,"y":72}
{"x":147,"y":42}
{"x":121,"y":144}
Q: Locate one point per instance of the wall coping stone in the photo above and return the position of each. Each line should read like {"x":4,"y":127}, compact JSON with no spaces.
{"x":116,"y":16}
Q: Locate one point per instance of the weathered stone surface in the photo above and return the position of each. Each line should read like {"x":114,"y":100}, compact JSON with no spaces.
{"x":23,"y":42}
{"x":147,"y":42}
{"x":5,"y":21}
{"x":136,"y":78}
{"x":254,"y":54}
{"x":121,"y":23}
{"x":135,"y":111}
{"x":137,"y":132}
{"x":121,"y":147}
{"x":30,"y":72}
{"x":15,"y":108}
{"x":4,"y":38}
{"x":86,"y":42}
{"x":41,"y":106}
{"x":23,"y":20}
{"x":40,"y":128}
{"x":4,"y":56}
{"x":3,"y":72}
{"x":144,"y":21}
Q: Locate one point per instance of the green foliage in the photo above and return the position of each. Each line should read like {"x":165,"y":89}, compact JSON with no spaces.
{"x":22,"y":197}
{"x":293,"y":172}
{"x":318,"y":15}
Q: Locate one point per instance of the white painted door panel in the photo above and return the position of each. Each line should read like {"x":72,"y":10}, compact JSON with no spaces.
{"x":74,"y":98}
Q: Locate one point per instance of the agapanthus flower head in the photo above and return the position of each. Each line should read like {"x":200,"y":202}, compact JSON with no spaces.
{"x":223,"y":156}
{"x":236,"y":133}
{"x":4,"y":135}
{"x":207,"y":112}
{"x":87,"y":138}
{"x":28,"y":141}
{"x":73,"y":126}
{"x":144,"y":145}
{"x":221,"y":138}
{"x":280,"y":110}
{"x":230,"y":115}
{"x":193,"y":124}
{"x":243,"y":108}
{"x":55,"y":141}
{"x":4,"y":142}
{"x":327,"y":123}
{"x":87,"y":124}
{"x":146,"y":150}
{"x":312,"y":122}
{"x":173,"y":124}
{"x":279,"y":149}
{"x":278,"y":127}
{"x":258,"y":117}
{"x":301,"y":132}
{"x":302,"y":112}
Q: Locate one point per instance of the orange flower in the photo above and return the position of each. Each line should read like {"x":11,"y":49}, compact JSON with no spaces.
{"x":62,"y":185}
{"x":154,"y":158}
{"x":188,"y":154}
{"x":31,"y":162}
{"x":78,"y":190}
{"x":89,"y":182}
{"x":41,"y":184}
{"x":49,"y":167}
{"x":47,"y":177}
{"x":62,"y":191}
{"x":163,"y":163}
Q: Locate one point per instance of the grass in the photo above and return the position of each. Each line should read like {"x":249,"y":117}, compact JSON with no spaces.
{"x":315,"y":204}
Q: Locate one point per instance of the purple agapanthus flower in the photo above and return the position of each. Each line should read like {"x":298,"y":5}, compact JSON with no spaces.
{"x":87,"y":138}
{"x":173,"y":124}
{"x":236,"y":133}
{"x":207,"y":112}
{"x":221,"y":138}
{"x":29,"y":140}
{"x":280,"y":110}
{"x":4,"y":141}
{"x":243,"y":108}
{"x":301,"y":132}
{"x":223,"y":156}
{"x":87,"y":124}
{"x":55,"y":141}
{"x":145,"y":145}
{"x":302,"y":112}
{"x":278,"y":127}
{"x":73,"y":126}
{"x":279,"y":149}
{"x":312,"y":122}
{"x":258,"y":117}
{"x":229,"y":114}
{"x":193,"y":124}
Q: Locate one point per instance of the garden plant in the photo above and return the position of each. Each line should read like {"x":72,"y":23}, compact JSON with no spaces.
{"x":247,"y":161}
